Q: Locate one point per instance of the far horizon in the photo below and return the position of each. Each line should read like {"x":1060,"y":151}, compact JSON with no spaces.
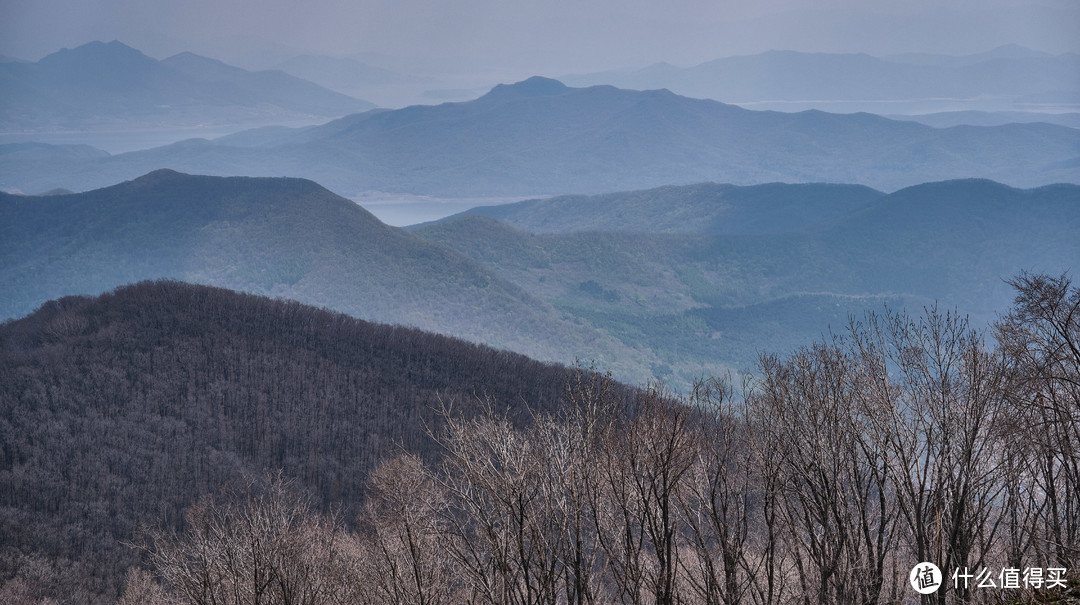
{"x":401,"y":90}
{"x":510,"y":42}
{"x":1007,"y":48}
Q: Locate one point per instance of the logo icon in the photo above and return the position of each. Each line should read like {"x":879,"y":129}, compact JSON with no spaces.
{"x":925,"y":578}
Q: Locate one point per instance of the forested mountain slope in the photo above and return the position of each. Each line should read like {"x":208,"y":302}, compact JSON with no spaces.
{"x":279,"y":237}
{"x":700,"y":208}
{"x":765,"y":268}
{"x":118,"y":412}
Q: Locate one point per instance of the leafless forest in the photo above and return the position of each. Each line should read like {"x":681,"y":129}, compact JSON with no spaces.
{"x":823,"y":480}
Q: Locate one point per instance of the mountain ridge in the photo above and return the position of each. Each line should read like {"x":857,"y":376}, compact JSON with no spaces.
{"x":705,"y":207}
{"x":280,"y":237}
{"x":784,"y":79}
{"x":697,"y":295}
{"x":592,"y":140}
{"x":103,"y":86}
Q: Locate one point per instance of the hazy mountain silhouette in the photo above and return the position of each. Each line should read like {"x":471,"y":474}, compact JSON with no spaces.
{"x":98,"y":86}
{"x":702,"y":208}
{"x":997,"y":79}
{"x":948,"y":119}
{"x":337,"y":74}
{"x":281,"y":237}
{"x":540,"y":137}
{"x":1006,"y":51}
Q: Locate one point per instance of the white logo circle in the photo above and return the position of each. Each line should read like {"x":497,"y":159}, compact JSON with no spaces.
{"x":926,"y":578}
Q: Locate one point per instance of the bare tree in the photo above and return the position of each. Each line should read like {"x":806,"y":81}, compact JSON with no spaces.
{"x":1040,"y":338}
{"x":573,"y":444}
{"x":720,"y":498}
{"x":140,"y":588}
{"x":837,"y":504}
{"x":498,"y":512}
{"x":935,"y":402}
{"x":648,"y":454}
{"x":263,"y":545}
{"x":405,"y":555}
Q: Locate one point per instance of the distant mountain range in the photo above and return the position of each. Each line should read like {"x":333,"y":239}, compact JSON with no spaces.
{"x":715,"y":274}
{"x":1007,"y":78}
{"x":110,"y":86}
{"x":541,"y":137}
{"x":279,"y":237}
{"x":948,"y":119}
{"x":670,"y":282}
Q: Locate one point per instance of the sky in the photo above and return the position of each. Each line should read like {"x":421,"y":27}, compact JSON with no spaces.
{"x":526,"y":37}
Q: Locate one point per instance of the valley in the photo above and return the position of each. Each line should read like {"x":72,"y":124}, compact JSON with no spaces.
{"x":667,"y":283}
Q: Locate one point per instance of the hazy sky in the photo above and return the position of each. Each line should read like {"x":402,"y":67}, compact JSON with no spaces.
{"x":523,"y":37}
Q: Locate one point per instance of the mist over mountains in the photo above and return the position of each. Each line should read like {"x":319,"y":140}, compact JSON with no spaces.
{"x":709,"y":274}
{"x":109,"y":86}
{"x":177,"y":318}
{"x":542,"y":137}
{"x":1007,"y":78}
{"x":349,"y":76}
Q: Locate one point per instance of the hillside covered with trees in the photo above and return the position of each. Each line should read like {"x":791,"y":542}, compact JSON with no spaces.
{"x":121,"y":411}
{"x":908,"y":439}
{"x":278,"y":237}
{"x":710,"y":275}
{"x":175,"y":443}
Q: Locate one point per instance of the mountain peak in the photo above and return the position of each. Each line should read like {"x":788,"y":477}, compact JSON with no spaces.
{"x":115,"y":46}
{"x":190,"y":56}
{"x":100,"y":64}
{"x":168,"y":177}
{"x":97,"y":51}
{"x":536,"y":86}
{"x":1012,"y":51}
{"x":191,"y":59}
{"x":159,"y":175}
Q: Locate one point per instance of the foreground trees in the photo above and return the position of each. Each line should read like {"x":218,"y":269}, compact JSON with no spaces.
{"x":259,"y":544}
{"x":823,"y":481}
{"x":126,"y":409}
{"x":1040,"y":338}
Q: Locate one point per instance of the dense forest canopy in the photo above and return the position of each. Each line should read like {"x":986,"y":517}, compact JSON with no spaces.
{"x":122,"y":410}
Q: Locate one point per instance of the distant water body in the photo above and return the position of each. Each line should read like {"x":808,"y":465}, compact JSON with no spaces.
{"x":402,"y":211}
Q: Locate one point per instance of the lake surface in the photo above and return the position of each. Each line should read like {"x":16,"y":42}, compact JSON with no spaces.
{"x":404,"y":210}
